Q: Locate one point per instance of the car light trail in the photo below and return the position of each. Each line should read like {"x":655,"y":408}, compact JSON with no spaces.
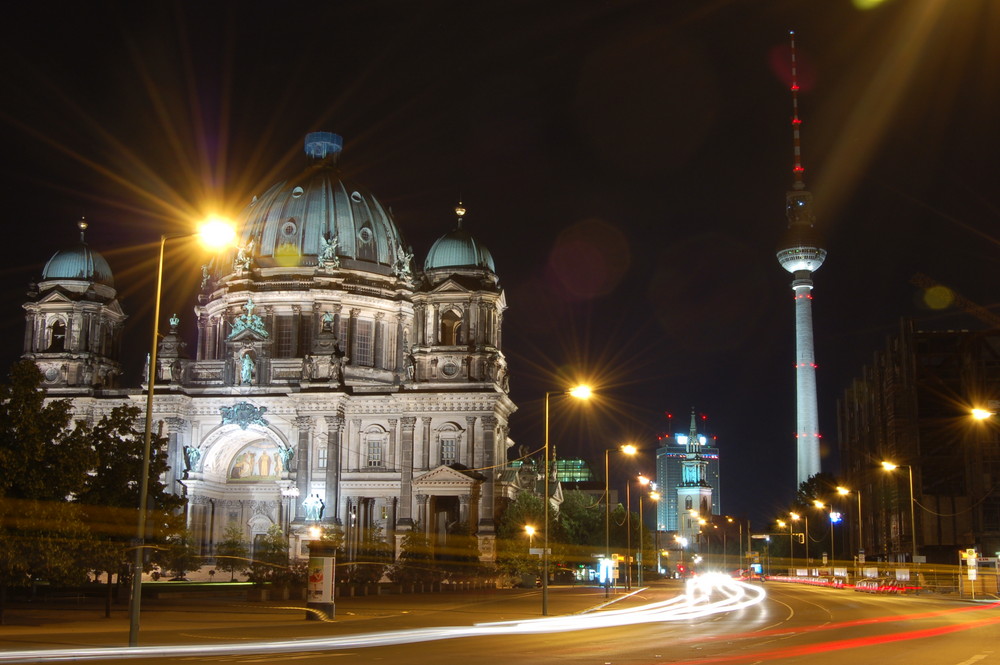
{"x":705,"y":595}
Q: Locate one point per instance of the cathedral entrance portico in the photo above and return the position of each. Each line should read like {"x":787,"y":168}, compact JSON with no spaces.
{"x":237,"y":476}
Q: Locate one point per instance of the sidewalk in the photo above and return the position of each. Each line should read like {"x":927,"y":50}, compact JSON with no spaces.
{"x":193,"y":620}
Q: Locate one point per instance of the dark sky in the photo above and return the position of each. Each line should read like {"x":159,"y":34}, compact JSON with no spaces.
{"x":625,"y":161}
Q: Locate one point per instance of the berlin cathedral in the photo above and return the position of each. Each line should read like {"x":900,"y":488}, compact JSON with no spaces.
{"x":334,"y":381}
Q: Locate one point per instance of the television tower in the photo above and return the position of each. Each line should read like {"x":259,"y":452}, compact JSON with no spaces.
{"x":800,"y":254}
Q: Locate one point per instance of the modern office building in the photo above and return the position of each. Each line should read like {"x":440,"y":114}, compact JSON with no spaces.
{"x":912,"y":407}
{"x":670,"y":457}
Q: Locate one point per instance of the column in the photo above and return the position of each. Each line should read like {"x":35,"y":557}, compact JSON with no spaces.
{"x":405,"y":522}
{"x":358,"y":455}
{"x":486,"y":498}
{"x":422,"y":500}
{"x":426,"y":443}
{"x":463,"y":508}
{"x":473,"y":456}
{"x":400,"y":345}
{"x":378,"y":340}
{"x":392,"y":455}
{"x":352,"y":336}
{"x":334,"y":433}
{"x":304,"y":425}
{"x":175,"y":454}
{"x":296,"y":325}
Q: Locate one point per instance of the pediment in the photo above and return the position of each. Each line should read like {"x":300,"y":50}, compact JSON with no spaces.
{"x":451,"y":285}
{"x":443,"y":476}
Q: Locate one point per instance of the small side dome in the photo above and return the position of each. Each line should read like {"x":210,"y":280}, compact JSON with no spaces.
{"x":79,"y":263}
{"x":458,"y":249}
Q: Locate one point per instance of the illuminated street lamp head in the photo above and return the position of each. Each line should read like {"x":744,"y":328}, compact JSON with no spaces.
{"x":782,"y":524}
{"x":629,"y":449}
{"x":581,"y":392}
{"x":819,"y":504}
{"x":889,"y":466}
{"x":528,"y":529}
{"x":981,"y":414}
{"x":217,"y":232}
{"x":655,"y":496}
{"x":643,"y":480}
{"x":794,"y":516}
{"x":843,"y":491}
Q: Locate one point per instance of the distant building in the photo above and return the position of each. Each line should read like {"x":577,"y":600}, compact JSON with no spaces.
{"x":912,"y":406}
{"x":670,"y":458}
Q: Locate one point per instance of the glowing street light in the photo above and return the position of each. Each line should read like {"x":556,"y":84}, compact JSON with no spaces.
{"x":843,"y":491}
{"x":889,"y":466}
{"x":213,"y":235}
{"x":530,"y":530}
{"x":805,"y":535}
{"x":579,"y":392}
{"x":982,"y":414}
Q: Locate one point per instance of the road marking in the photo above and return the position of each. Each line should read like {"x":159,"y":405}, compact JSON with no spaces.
{"x":974,"y":659}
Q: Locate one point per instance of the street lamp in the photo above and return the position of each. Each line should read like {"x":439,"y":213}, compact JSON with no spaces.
{"x":655,"y":497}
{"x":644,"y":481}
{"x":822,"y":506}
{"x":530,"y":530}
{"x":843,"y":491}
{"x":795,"y":517}
{"x":579,"y":392}
{"x":889,"y":466}
{"x":627,"y":449}
{"x":782,"y":524}
{"x":214,"y":232}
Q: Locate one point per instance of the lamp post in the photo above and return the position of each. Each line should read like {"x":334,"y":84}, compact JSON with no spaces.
{"x":627,"y":449}
{"x":580,"y":392}
{"x":843,"y":491}
{"x":822,"y":506}
{"x":530,"y":530}
{"x":644,"y":481}
{"x":889,"y":466}
{"x":214,"y":232}
{"x":654,"y":496}
{"x":805,"y":533}
{"x":782,"y":524}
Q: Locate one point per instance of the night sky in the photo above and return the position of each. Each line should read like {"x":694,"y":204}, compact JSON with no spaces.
{"x":625,"y":162}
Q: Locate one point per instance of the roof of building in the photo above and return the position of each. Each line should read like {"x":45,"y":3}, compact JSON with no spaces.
{"x":79,"y":263}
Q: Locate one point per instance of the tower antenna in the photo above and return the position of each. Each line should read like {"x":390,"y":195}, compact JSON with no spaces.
{"x":797,"y":169}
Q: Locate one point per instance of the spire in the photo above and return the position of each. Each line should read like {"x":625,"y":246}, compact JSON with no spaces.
{"x":692,"y":445}
{"x":797,"y":169}
{"x":798,"y":201}
{"x":82,"y":225}
{"x":460,"y":213}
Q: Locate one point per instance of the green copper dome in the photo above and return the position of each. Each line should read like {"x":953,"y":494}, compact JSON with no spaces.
{"x":79,"y":263}
{"x":458,"y":249}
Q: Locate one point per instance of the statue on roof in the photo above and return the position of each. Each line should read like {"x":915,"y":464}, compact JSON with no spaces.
{"x":328,"y":253}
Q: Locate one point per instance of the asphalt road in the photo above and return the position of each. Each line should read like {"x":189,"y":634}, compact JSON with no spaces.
{"x":793,"y":624}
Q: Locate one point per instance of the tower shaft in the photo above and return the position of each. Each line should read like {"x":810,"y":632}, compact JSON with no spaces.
{"x":807,"y":419}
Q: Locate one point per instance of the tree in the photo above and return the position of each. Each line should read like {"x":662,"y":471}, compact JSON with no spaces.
{"x":45,"y":462}
{"x":232,"y":552}
{"x":270,"y":556}
{"x":416,"y":560}
{"x":373,"y":559}
{"x":513,"y":558}
{"x":110,"y":494}
{"x":179,"y":555}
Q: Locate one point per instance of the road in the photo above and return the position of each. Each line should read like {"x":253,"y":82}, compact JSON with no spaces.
{"x":661,"y":624}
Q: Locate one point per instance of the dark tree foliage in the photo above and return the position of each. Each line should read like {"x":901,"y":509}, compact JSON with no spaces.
{"x":110,"y":495}
{"x":513,"y":557}
{"x":459,"y":558}
{"x":44,"y":462}
{"x":42,"y":456}
{"x":416,"y":560}
{"x":820,"y":487}
{"x":179,"y":555}
{"x":269,"y":561}
{"x":373,"y":559}
{"x":232,"y":552}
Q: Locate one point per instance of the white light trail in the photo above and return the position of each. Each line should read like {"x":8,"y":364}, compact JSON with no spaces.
{"x":704,"y":595}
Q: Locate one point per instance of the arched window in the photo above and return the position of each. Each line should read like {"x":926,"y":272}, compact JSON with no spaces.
{"x":57,"y":336}
{"x":449,"y":443}
{"x":451,"y":328}
{"x":375,"y":446}
{"x":688,"y":505}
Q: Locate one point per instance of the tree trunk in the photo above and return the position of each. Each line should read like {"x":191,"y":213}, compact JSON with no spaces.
{"x":107,"y":598}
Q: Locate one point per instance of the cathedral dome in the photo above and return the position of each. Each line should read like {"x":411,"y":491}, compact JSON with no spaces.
{"x":79,"y":263}
{"x":458,"y":249}
{"x":318,"y":214}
